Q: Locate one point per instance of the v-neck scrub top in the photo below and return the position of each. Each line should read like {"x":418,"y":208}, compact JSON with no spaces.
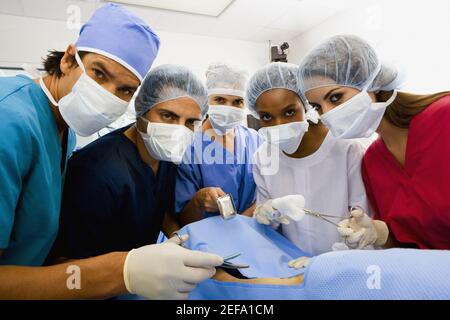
{"x":414,"y":199}
{"x":208,"y":164}
{"x":32,"y":168}
{"x":112,"y":199}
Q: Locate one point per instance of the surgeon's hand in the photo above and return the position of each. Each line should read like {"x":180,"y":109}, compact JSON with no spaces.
{"x":360,"y":231}
{"x":167,"y":270}
{"x":206,"y":198}
{"x":280,"y":210}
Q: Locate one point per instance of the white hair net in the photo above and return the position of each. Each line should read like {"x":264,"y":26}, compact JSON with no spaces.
{"x":169,"y":82}
{"x":222,"y":78}
{"x":275,"y":75}
{"x":346,"y":60}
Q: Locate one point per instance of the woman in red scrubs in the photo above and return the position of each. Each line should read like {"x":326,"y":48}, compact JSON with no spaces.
{"x":406,"y":171}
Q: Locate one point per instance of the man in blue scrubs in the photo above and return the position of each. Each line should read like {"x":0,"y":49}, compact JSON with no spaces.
{"x":86,"y":88}
{"x":118,"y":192}
{"x":219,"y":161}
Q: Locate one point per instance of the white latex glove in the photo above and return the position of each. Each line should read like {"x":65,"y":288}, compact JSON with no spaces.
{"x":340,"y":246}
{"x":360,"y":231}
{"x":290,"y":206}
{"x":266,"y":214}
{"x":280,"y":210}
{"x":167,"y":270}
{"x":299,"y":263}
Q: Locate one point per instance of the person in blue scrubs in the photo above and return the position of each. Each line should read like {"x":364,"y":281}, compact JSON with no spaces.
{"x":119,"y":189}
{"x":86,"y":87}
{"x":33,"y":155}
{"x":112,"y":200}
{"x":117,"y":192}
{"x":219,"y":161}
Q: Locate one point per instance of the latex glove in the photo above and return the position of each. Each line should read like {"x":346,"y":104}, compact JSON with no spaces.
{"x":299,"y":263}
{"x":360,"y":231}
{"x":266,"y":214}
{"x":280,"y":210}
{"x":340,"y":246}
{"x":167,"y":270}
{"x":290,"y":206}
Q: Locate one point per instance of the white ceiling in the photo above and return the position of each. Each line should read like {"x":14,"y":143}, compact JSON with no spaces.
{"x":249,"y":20}
{"x":205,"y":7}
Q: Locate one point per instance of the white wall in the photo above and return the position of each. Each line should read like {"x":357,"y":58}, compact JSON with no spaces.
{"x":411,"y":33}
{"x":197,"y":52}
{"x":24,"y":39}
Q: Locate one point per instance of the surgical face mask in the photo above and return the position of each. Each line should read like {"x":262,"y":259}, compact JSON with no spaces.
{"x":286,"y":136}
{"x":358,"y":117}
{"x":88,"y":107}
{"x":224,"y":118}
{"x":166,"y":142}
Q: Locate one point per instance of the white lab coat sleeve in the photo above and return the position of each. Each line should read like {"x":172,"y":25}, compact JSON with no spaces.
{"x":262,"y":194}
{"x":356,"y":190}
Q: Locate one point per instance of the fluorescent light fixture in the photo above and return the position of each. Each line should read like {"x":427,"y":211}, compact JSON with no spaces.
{"x":204,"y":7}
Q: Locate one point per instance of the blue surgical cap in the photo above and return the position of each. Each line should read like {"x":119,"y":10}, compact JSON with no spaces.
{"x":275,"y":75}
{"x":116,"y":33}
{"x":169,"y":82}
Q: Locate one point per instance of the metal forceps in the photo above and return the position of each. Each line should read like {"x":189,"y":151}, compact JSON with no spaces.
{"x":324,"y":217}
{"x":229,"y":265}
{"x":226,"y":260}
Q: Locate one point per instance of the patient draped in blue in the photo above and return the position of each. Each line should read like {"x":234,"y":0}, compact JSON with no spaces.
{"x":348,"y":274}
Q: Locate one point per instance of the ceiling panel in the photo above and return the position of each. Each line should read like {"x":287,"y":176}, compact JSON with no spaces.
{"x":204,"y":7}
{"x":238,"y":30}
{"x":250,"y":20}
{"x":190,"y":23}
{"x":13,"y":7}
{"x":257,"y":13}
{"x":58,"y":9}
{"x":308,"y":13}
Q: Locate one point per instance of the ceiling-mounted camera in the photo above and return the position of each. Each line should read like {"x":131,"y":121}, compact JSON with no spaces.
{"x":279,"y":53}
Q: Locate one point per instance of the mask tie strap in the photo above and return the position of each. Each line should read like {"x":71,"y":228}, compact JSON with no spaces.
{"x":47,"y":92}
{"x":80,"y":63}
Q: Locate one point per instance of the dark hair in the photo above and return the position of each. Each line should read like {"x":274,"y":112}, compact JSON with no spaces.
{"x":53,"y":59}
{"x":406,"y":106}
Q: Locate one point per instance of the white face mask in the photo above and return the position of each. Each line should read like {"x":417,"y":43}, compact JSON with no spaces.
{"x":88,"y":107}
{"x":286,"y":136}
{"x":358,"y":117}
{"x":166,"y":142}
{"x":224,"y":118}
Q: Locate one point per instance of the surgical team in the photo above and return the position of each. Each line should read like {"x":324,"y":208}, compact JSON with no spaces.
{"x":103,"y":206}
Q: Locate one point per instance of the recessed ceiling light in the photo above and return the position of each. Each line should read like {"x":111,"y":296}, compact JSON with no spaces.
{"x":205,"y":7}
